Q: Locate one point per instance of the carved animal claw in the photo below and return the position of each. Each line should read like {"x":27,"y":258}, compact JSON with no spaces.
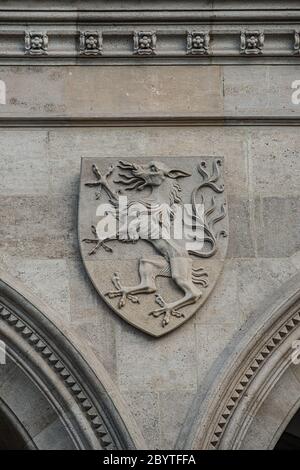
{"x":166,"y":311}
{"x":122,"y":292}
{"x":102,"y":181}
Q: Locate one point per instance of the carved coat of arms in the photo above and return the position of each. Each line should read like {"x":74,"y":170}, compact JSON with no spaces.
{"x":153,"y":235}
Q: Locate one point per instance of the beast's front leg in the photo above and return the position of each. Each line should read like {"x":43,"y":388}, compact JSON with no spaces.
{"x":181,"y":271}
{"x":147,"y":270}
{"x":122,"y":292}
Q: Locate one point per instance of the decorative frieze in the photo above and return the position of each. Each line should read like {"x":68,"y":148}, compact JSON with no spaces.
{"x":144,"y":43}
{"x":36,"y":43}
{"x":252,"y":42}
{"x":197,"y":43}
{"x":163,"y":44}
{"x":214,"y":34}
{"x":90,"y":43}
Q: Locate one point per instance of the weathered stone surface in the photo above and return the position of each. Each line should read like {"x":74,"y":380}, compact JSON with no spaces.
{"x":273,"y":412}
{"x":12,"y":381}
{"x":274,"y":158}
{"x":222,"y":307}
{"x":40,"y":171}
{"x":259,"y":277}
{"x":147,"y":364}
{"x":143,"y":404}
{"x":39,"y":226}
{"x":278,"y":220}
{"x":172,"y":418}
{"x":53,"y":436}
{"x":116,"y":91}
{"x":38,"y":223}
{"x":67,"y":146}
{"x":242,"y":229}
{"x":24,"y":163}
{"x":260,"y":91}
{"x":48,"y":279}
{"x":211,"y":340}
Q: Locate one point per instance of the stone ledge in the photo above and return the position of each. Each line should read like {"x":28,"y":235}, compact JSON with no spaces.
{"x":132,"y":42}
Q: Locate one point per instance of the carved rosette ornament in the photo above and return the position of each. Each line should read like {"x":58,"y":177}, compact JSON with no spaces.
{"x":153,"y":236}
{"x":144,"y":43}
{"x":36,"y":43}
{"x":297,"y":42}
{"x":252,"y":42}
{"x":197,"y":43}
{"x":90,"y":43}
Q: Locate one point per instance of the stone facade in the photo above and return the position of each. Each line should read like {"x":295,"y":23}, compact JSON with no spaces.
{"x":185,"y":97}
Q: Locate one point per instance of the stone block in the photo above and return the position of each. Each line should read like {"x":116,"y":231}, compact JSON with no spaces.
{"x":260,"y":90}
{"x":211,"y":340}
{"x":275,"y":161}
{"x":113,"y":90}
{"x":39,"y":227}
{"x":67,"y":146}
{"x":47,"y":279}
{"x":222,"y":305}
{"x":12,"y":382}
{"x":146,"y":363}
{"x":172,"y":417}
{"x":278,"y":226}
{"x":241,"y":230}
{"x":258,"y":278}
{"x":144,"y":406}
{"x":23,"y":162}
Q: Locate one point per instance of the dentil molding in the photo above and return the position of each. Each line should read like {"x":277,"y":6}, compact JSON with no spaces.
{"x":245,"y":374}
{"x":86,"y":402}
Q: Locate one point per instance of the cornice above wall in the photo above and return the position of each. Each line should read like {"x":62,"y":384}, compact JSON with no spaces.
{"x":134,"y":32}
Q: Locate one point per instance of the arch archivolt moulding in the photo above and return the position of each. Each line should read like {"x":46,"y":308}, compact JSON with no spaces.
{"x":256,"y":375}
{"x":83,"y":397}
{"x":247,"y":376}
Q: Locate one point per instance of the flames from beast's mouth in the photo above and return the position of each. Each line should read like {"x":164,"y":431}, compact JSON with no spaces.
{"x":134,"y":181}
{"x":152,"y":174}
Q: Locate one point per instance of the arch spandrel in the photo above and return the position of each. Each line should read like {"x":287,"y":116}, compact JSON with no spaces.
{"x":253,"y":373}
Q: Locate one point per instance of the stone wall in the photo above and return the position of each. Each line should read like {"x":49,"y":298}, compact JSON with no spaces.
{"x":40,"y":169}
{"x":63,"y":104}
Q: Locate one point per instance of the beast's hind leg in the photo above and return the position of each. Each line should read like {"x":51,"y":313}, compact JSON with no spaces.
{"x":182,"y":274}
{"x":148,"y":271}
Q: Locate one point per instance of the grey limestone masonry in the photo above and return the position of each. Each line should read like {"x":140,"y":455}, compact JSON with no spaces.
{"x":57,"y":113}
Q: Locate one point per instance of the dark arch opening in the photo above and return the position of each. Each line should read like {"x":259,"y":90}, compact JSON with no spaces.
{"x":13,"y":435}
{"x":290,"y":438}
{"x":53,"y":398}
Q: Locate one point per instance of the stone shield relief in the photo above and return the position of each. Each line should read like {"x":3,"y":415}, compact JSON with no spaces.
{"x":153,"y":235}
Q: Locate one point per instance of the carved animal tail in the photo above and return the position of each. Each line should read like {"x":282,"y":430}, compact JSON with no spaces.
{"x":199,"y":276}
{"x":203,"y":220}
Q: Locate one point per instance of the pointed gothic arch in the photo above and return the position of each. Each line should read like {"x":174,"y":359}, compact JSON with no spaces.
{"x":50,"y":397}
{"x":255,"y":382}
